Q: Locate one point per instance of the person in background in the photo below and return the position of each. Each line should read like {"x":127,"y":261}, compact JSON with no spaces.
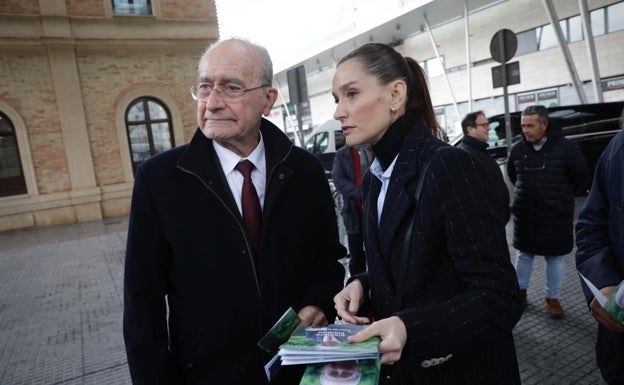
{"x":440,"y":282}
{"x":202,"y":284}
{"x":476,"y":130}
{"x":547,"y":171}
{"x":350,"y":165}
{"x":600,"y":254}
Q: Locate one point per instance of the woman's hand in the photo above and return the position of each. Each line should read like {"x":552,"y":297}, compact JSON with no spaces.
{"x":393,"y":336}
{"x":348,"y":301}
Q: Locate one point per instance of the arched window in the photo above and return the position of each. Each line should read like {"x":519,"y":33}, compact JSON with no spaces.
{"x":11,"y":174}
{"x":148,"y":123}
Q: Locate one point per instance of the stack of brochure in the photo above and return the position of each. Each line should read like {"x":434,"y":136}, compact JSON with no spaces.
{"x":309,"y":345}
{"x":328,"y":354}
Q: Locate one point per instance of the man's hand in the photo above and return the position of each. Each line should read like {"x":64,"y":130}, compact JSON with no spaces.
{"x":312,"y":316}
{"x":602,"y":315}
{"x":393,"y":337}
{"x":348,"y":301}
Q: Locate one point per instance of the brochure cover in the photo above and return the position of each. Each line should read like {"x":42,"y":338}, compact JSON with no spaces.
{"x":276,"y":336}
{"x":362,"y":372}
{"x":280,"y":332}
{"x":614,"y":304}
{"x":326,"y":344}
{"x":599,"y":296}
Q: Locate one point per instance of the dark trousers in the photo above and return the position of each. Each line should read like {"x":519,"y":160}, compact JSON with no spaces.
{"x":357,"y":264}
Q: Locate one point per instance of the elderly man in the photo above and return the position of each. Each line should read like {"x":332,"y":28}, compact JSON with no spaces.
{"x":209,"y":266}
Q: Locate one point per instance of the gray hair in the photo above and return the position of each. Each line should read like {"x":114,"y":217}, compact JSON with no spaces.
{"x":246,"y":45}
{"x":538,"y":110}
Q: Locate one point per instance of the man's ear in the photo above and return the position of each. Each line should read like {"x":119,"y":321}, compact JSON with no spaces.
{"x":270,"y":101}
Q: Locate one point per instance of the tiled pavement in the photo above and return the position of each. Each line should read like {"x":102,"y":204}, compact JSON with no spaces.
{"x":61,"y":305}
{"x":61,"y":308}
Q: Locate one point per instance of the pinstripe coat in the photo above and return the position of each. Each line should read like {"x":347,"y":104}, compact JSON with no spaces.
{"x":460,"y":299}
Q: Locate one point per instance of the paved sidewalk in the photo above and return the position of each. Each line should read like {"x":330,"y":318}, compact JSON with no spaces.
{"x":61,"y":301}
{"x":556,"y":351}
{"x":61,"y":305}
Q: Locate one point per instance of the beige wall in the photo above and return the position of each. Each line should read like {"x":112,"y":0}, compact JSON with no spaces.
{"x":69,"y":70}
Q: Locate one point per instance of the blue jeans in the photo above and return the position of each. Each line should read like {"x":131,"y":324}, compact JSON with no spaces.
{"x":554,"y":272}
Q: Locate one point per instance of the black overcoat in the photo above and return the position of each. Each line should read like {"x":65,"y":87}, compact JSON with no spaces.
{"x":497,"y":187}
{"x":600,"y":248}
{"x":546,"y":182}
{"x":188,"y":255}
{"x":460,"y":299}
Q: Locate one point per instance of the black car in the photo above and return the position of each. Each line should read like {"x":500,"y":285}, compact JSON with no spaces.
{"x":590,"y":125}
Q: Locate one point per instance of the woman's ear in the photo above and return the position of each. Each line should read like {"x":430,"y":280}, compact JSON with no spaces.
{"x":399,"y":93}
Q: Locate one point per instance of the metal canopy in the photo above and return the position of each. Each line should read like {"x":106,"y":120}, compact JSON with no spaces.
{"x":393,"y":31}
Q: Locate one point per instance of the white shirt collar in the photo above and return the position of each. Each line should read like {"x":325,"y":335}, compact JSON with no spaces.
{"x":378,"y":172}
{"x":229,"y":159}
{"x":538,"y":146}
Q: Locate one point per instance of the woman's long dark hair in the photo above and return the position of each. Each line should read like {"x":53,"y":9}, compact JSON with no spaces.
{"x":387,"y":65}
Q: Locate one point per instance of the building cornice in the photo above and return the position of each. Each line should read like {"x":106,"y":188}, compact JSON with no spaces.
{"x":42,"y":28}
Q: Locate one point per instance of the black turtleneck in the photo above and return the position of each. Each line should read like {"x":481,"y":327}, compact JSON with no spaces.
{"x":390,"y":143}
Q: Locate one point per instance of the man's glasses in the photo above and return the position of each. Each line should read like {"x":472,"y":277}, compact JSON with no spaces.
{"x":484,"y":125}
{"x":202,"y":91}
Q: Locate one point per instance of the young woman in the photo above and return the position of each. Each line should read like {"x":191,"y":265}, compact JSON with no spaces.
{"x":440,"y":285}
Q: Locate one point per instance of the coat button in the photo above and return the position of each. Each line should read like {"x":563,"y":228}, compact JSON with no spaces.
{"x":281,"y":176}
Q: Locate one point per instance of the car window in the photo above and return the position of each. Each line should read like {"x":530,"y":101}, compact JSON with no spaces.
{"x":318,"y":143}
{"x":493,"y":137}
{"x":497,"y":133}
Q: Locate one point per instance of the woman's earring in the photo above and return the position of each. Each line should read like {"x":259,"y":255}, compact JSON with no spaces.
{"x":393,"y":109}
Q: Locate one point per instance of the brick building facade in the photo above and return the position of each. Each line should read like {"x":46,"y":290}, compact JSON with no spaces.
{"x":89,"y":89}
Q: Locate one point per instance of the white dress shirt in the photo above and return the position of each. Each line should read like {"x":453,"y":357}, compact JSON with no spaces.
{"x":229,"y":160}
{"x":384,"y":177}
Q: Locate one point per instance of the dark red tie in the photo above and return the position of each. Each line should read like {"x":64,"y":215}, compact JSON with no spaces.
{"x":252,"y":213}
